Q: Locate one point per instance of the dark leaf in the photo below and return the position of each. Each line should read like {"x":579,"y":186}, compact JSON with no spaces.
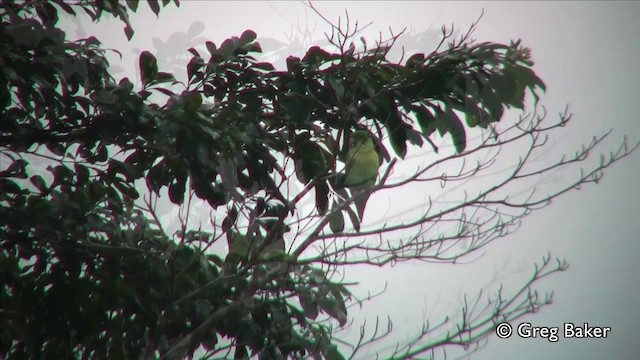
{"x":227,"y":48}
{"x":62,"y":174}
{"x":176,"y":191}
{"x":102,"y":154}
{"x":192,"y":101}
{"x":454,"y":126}
{"x":146,"y":94}
{"x":82,"y":174}
{"x":334,"y":308}
{"x":332,"y":353}
{"x":148,"y":66}
{"x":128,"y":31}
{"x":355,"y":221}
{"x":308,"y":303}
{"x":316,"y":55}
{"x":133,"y":5}
{"x":17,"y":169}
{"x":397,"y":131}
{"x":211,"y":47}
{"x":89,"y":12}
{"x":415,"y":60}
{"x":386,"y":111}
{"x":193,"y":68}
{"x":47,"y":13}
{"x":293,"y":63}
{"x":528,"y":77}
{"x":39,"y":183}
{"x":63,"y":4}
{"x":253,"y":47}
{"x":56,"y":148}
{"x":322,"y":196}
{"x":414,"y":137}
{"x":264,"y":66}
{"x":193,"y":51}
{"x":154,"y":5}
{"x":247,"y":37}
{"x":426,"y":120}
{"x":336,"y":219}
{"x":311,"y":159}
{"x":239,"y":245}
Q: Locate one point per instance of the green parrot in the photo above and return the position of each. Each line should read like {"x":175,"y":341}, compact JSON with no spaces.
{"x":361,"y":169}
{"x":362,"y":161}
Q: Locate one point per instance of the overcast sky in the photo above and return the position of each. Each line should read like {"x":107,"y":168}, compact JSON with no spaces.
{"x":586,"y":52}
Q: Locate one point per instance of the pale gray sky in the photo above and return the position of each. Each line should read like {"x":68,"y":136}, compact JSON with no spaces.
{"x":588,"y":55}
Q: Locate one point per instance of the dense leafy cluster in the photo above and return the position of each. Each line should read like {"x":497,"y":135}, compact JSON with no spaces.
{"x":86,"y":271}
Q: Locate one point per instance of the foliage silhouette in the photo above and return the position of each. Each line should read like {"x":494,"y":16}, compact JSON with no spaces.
{"x":87,"y":266}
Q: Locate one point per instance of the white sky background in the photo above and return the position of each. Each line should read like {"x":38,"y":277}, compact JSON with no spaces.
{"x":587,"y":53}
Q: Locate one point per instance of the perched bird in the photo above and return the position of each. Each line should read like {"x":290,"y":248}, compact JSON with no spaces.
{"x":361,"y":169}
{"x":362,"y":161}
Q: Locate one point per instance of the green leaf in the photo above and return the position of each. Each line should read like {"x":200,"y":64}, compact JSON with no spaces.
{"x":475,"y":116}
{"x":162,"y":77}
{"x":299,"y":108}
{"x":193,"y":101}
{"x":247,"y":37}
{"x":334,"y":307}
{"x":62,"y":174}
{"x":528,"y":77}
{"x":39,"y":183}
{"x":82,"y":174}
{"x":308,"y":303}
{"x":263,"y":66}
{"x":426,"y":120}
{"x":17,"y":169}
{"x":104,"y":97}
{"x":316,"y":56}
{"x":193,"y":68}
{"x":176,"y":190}
{"x":227,"y":48}
{"x":397,"y":130}
{"x":133,"y":4}
{"x":355,"y":221}
{"x":65,"y":6}
{"x":414,"y":137}
{"x":322,"y":196}
{"x":154,"y":5}
{"x":336,"y":219}
{"x":454,"y":126}
{"x":311,"y":159}
{"x":415,"y":60}
{"x":193,"y":51}
{"x":128,"y":31}
{"x":271,"y":254}
{"x":275,"y":210}
{"x":202,"y":307}
{"x":491,"y":102}
{"x":332,"y":353}
{"x":47,"y":13}
{"x":130,"y":171}
{"x":239,"y":245}
{"x":338,"y":89}
{"x":210,"y":341}
{"x":148,"y":66}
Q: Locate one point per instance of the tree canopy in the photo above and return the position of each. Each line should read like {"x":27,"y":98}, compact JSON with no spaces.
{"x":88,"y":269}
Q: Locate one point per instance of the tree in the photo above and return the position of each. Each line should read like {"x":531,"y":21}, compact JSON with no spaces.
{"x":88,"y":267}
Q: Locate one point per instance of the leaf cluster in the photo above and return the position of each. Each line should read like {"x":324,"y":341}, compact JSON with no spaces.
{"x":86,"y":271}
